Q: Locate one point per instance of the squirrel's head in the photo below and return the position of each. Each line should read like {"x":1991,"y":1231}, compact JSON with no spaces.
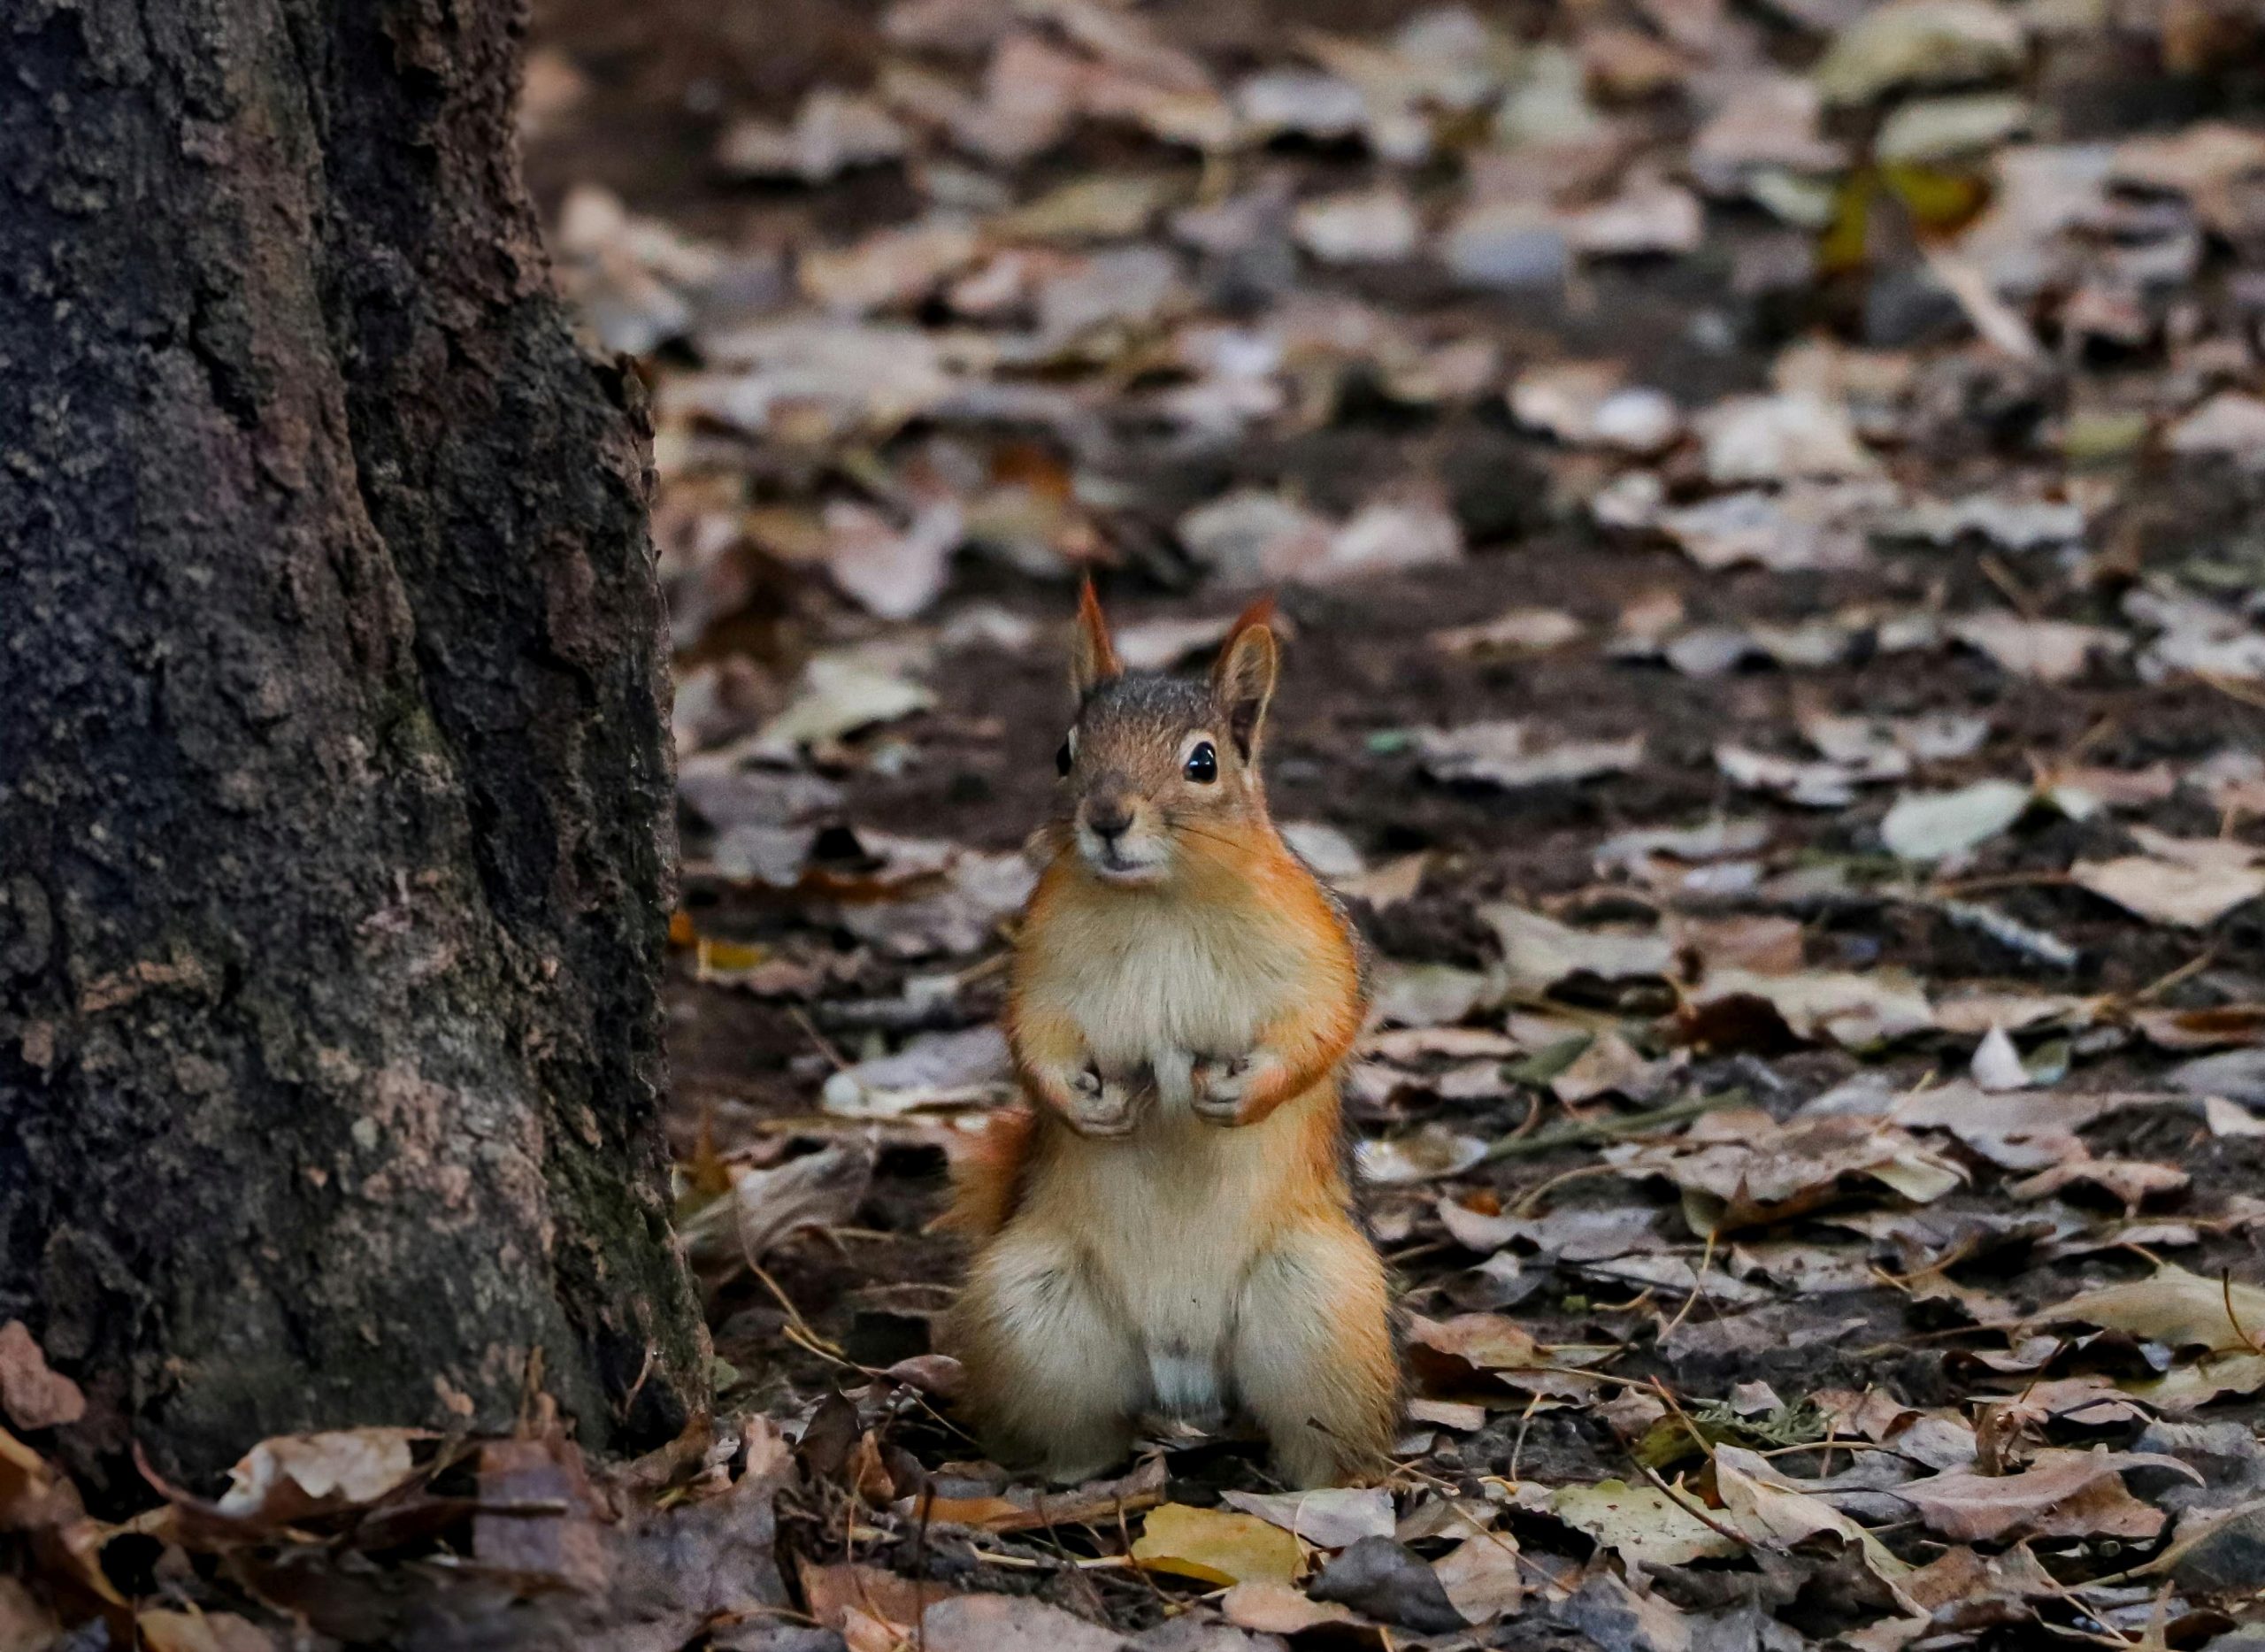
{"x":1156,"y":769}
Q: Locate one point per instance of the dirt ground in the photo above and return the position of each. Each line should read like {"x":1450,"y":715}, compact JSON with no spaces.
{"x":778,"y":992}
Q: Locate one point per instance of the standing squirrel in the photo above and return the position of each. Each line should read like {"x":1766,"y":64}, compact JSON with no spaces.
{"x":1168,"y":1226}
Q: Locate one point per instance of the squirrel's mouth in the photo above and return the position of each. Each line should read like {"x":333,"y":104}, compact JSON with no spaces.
{"x":1111,"y":863}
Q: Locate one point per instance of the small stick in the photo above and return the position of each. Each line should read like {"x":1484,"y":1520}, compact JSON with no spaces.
{"x":1607,"y":1129}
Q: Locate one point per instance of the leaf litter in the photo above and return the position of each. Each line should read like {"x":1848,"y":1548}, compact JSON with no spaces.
{"x":1769,"y":529}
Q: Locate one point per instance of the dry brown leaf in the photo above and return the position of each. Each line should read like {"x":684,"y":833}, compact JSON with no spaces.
{"x":1329,"y":1518}
{"x":1021,"y":1508}
{"x":1010,"y":1623}
{"x":34,"y":1395}
{"x":2173,"y":1307}
{"x":200,"y":1631}
{"x":1854,"y":1010}
{"x":2060,"y":1494}
{"x":2164,"y":892}
{"x":2134,"y":1181}
{"x":292,"y":1475}
{"x":1642,"y":1523}
{"x":889,"y":1597}
{"x":1276,"y":1608}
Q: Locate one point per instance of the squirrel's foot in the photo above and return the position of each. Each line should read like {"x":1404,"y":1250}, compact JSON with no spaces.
{"x":1100,"y":1107}
{"x":1222,"y":1087}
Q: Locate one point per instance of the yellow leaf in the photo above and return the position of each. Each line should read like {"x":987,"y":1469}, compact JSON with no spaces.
{"x":1840,"y":246}
{"x":1215,"y":1546}
{"x":727,"y":958}
{"x":1936,"y":198}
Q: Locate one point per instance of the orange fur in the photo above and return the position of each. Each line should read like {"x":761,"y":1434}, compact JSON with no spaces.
{"x":1169,"y":1225}
{"x":987,"y":1173}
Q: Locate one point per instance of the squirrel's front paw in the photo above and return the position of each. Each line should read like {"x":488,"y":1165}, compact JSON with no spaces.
{"x":1099,"y":1106}
{"x":1222,"y":1086}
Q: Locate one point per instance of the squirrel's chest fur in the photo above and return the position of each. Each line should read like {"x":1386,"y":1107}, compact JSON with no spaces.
{"x":1168,"y":1221}
{"x":1150,"y":982}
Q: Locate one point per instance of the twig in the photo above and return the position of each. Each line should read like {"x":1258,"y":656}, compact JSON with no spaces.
{"x":2193,"y":966}
{"x":2007,"y":880}
{"x":2233,"y":690}
{"x":1697,"y":1512}
{"x":1607,"y":1129}
{"x":1530,"y":1201}
{"x":826,"y":1046}
{"x":2225,"y":1283}
{"x":1698,"y":1285}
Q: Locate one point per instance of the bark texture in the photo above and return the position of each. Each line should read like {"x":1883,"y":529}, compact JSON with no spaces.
{"x":334,"y":798}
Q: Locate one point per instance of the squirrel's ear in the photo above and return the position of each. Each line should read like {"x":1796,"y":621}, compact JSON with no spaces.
{"x":1092,"y":660}
{"x":1243,"y":680}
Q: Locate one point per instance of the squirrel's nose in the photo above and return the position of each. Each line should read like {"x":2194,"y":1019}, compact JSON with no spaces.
{"x":1111,"y":820}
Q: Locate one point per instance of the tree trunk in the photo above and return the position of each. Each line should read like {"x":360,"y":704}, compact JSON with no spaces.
{"x":335,"y":833}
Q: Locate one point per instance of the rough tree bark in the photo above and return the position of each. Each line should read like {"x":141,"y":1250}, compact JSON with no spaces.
{"x":335,"y":801}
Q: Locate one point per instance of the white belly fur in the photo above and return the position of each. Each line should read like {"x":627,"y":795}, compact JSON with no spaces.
{"x":1168,"y":1221}
{"x":1168,"y":1218}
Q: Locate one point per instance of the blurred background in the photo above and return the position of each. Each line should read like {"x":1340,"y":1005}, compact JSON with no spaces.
{"x":1765,"y":499}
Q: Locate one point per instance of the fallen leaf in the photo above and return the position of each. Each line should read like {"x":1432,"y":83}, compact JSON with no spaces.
{"x":2134,"y":1181}
{"x":1642,"y":1523}
{"x":1800,"y":526}
{"x":1427,"y":1153}
{"x":34,"y":1396}
{"x":1482,"y":1578}
{"x":1372,"y":226}
{"x":2059,"y":1494}
{"x":1501,"y":754}
{"x":1332,"y":1518}
{"x":2165,"y":892}
{"x":2050,"y":650}
{"x":292,"y":1475}
{"x":1022,"y":1508}
{"x":1781,"y":438}
{"x":1276,"y":1608}
{"x":1382,"y":1578}
{"x":1009,"y":1623}
{"x":816,"y":1190}
{"x":2229,"y":422}
{"x":1216,"y":1546}
{"x":1848,"y":1008}
{"x":1919,"y":43}
{"x":1540,"y":953}
{"x":2180,"y":1310}
{"x":891,"y":572}
{"x":200,"y":1631}
{"x":891,"y":269}
{"x":1997,"y":1064}
{"x":841,"y":693}
{"x":833,"y":132}
{"x":830,"y":1593}
{"x":933,"y":1069}
{"x":1935,"y":825}
{"x":1773,"y":1512}
{"x":1520,"y":630}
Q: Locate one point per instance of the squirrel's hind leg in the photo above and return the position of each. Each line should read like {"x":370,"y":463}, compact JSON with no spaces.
{"x":1313,"y":1355}
{"x":1053,"y":1377}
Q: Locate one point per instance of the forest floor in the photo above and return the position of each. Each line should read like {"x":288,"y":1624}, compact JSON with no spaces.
{"x":1767,"y":507}
{"x":1768,"y":510}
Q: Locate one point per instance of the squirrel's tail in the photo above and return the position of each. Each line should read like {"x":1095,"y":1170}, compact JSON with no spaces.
{"x":987,"y":1174}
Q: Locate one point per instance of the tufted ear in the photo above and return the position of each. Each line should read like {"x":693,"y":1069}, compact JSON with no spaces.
{"x":1093,"y":658}
{"x":1243,"y":679}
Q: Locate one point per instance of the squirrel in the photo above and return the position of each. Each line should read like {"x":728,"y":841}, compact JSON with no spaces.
{"x":1168,"y":1227}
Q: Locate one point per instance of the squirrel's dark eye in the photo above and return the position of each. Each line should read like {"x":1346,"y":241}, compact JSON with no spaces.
{"x":1062,"y":759}
{"x":1203,"y":763}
